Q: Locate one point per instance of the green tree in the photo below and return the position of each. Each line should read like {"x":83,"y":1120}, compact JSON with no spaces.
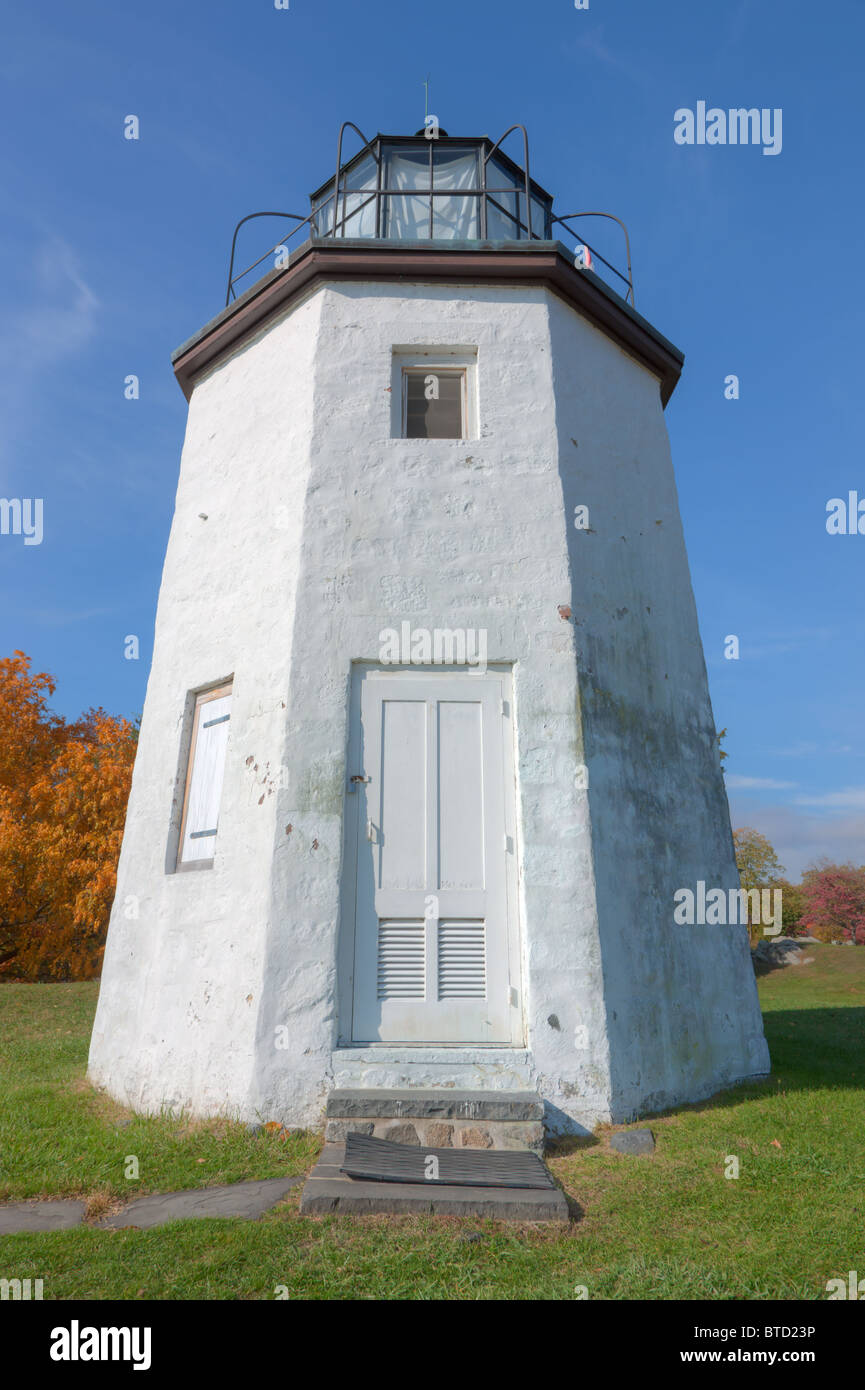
{"x":792,"y":906}
{"x":758,"y":866}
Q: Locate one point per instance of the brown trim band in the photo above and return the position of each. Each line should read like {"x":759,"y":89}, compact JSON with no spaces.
{"x":536,"y":263}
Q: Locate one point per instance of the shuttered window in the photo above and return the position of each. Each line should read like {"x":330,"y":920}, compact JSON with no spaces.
{"x":205,"y":771}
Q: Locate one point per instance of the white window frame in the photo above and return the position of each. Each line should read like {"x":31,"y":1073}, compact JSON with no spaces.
{"x":200,"y":698}
{"x":427,"y":361}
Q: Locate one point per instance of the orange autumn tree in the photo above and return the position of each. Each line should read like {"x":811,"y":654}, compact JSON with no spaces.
{"x":63,"y":793}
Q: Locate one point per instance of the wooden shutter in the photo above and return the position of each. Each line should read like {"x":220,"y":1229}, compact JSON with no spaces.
{"x":462,"y":960}
{"x":205,"y":772}
{"x":401,"y":960}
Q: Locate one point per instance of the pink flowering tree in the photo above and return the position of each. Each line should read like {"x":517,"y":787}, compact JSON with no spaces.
{"x":834,"y":902}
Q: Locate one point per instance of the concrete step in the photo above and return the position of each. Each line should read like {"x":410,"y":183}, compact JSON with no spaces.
{"x":329,"y":1190}
{"x":440,"y":1119}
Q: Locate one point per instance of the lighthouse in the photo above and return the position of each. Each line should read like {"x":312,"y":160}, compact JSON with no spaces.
{"x":427,"y":750}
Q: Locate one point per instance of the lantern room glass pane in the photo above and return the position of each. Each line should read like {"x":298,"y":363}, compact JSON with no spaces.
{"x":322,"y":208}
{"x":506,"y":211}
{"x":455,"y":218}
{"x":539,"y":218}
{"x":500,"y":227}
{"x":357,"y":209}
{"x":502,"y":210}
{"x":407,"y":218}
{"x":408,"y":167}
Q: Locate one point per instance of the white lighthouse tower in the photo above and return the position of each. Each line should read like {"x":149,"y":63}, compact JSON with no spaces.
{"x":427,"y":750}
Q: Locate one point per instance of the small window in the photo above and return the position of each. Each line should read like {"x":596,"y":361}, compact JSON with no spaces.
{"x":204,"y":774}
{"x":434,"y":402}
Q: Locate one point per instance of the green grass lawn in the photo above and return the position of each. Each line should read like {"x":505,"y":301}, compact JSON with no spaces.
{"x":669,"y":1227}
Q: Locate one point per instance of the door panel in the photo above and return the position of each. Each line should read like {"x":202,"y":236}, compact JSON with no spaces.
{"x":432,"y":938}
{"x":460,"y":794}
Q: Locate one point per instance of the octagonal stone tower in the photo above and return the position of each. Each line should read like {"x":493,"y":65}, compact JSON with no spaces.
{"x":427,"y":747}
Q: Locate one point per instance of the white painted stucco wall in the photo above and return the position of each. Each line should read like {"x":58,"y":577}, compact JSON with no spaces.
{"x":321,"y":531}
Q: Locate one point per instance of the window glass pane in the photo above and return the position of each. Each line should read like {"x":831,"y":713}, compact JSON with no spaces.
{"x":358,"y":209}
{"x":454,"y":169}
{"x":357,"y":215}
{"x":408,"y":167}
{"x":498,"y":177}
{"x":500,"y":227}
{"x":323,"y":213}
{"x":501,"y":206}
{"x":364,"y":174}
{"x":455,"y":218}
{"x":433,"y":404}
{"x":539,"y":218}
{"x":407,"y":218}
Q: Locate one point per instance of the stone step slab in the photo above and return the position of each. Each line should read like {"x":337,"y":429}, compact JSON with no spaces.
{"x":434,"y":1105}
{"x":439,"y":1119}
{"x":328,"y":1191}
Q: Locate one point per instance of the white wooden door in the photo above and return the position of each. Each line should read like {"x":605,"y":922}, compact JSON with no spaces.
{"x":433,"y":948}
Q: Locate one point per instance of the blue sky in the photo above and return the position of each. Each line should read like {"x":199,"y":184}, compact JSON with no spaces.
{"x":115,"y":251}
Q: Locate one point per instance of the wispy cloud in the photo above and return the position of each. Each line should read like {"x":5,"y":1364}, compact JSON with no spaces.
{"x":592,"y":43}
{"x":60,"y":617}
{"x":802,"y":838}
{"x":806,"y":748}
{"x":58,"y":315}
{"x":55,"y":318}
{"x":848,"y":799}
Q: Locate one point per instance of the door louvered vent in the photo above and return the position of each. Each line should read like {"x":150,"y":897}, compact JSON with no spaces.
{"x":462,"y":965}
{"x":401,"y":960}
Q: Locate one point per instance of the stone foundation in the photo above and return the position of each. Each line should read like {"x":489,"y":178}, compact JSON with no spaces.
{"x":439,"y":1120}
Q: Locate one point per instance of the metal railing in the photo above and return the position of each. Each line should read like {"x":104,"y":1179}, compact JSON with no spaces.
{"x":317,"y":220}
{"x":596,"y":255}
